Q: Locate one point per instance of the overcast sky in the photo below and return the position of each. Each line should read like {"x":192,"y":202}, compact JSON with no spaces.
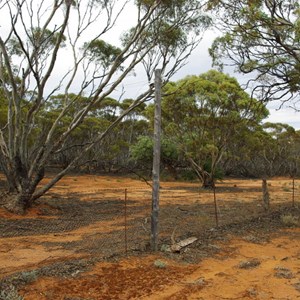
{"x":199,"y":62}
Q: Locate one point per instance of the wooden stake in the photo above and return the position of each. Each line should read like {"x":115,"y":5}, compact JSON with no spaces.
{"x":156,"y":162}
{"x":216,"y":206}
{"x":125,"y":220}
{"x":293,"y":191}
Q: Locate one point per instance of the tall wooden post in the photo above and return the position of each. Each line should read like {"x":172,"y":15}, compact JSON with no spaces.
{"x":293,"y":199}
{"x":156,"y":162}
{"x":216,"y":205}
{"x":125,"y":221}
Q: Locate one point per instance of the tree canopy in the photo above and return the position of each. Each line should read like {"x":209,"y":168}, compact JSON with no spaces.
{"x":261,"y":38}
{"x":202,"y":114}
{"x":61,"y":64}
{"x":58,"y":66}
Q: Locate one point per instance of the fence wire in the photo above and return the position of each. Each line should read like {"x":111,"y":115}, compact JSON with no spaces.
{"x":107,"y":221}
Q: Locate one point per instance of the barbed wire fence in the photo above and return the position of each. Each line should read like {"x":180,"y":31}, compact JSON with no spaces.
{"x":109,"y":221}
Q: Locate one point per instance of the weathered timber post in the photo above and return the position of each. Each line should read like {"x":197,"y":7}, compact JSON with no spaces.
{"x":216,"y":205}
{"x":293,"y":197}
{"x":266,"y":195}
{"x":156,"y":162}
{"x":125,"y":221}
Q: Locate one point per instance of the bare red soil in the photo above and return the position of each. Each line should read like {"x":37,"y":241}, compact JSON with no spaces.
{"x":64,"y":249}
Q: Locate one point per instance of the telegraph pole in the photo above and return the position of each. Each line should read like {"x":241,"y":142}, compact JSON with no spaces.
{"x":156,"y":162}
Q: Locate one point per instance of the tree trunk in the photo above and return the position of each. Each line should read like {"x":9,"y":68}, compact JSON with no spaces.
{"x":208,"y":182}
{"x":266,"y":195}
{"x":205,"y":177}
{"x":20,"y":196}
{"x":16,"y":203}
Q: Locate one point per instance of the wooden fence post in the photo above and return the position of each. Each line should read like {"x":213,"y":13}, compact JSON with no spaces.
{"x":125,"y":220}
{"x":156,"y":162}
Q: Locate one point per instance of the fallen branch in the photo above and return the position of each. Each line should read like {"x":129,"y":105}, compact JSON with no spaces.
{"x":182,"y":244}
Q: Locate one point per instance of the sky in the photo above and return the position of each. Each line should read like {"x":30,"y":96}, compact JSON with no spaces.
{"x":199,"y":62}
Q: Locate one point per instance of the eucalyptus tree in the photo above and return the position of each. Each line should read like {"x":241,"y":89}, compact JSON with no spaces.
{"x":260,"y":38}
{"x":99,"y":117}
{"x":65,"y":46}
{"x":113,"y":153}
{"x":203,"y":114}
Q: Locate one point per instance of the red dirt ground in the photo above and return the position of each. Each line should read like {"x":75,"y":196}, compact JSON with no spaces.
{"x":242,"y":268}
{"x":213,"y":278}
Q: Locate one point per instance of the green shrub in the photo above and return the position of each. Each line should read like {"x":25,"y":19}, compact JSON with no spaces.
{"x":289,"y":220}
{"x":160,"y":264}
{"x":28,"y":276}
{"x":9,"y":292}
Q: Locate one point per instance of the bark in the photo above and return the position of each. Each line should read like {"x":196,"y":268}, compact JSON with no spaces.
{"x":266,"y":195}
{"x":19,"y":198}
{"x":205,"y":177}
{"x":16,"y":203}
{"x":208,"y":182}
{"x":182,"y":244}
{"x":156,"y":162}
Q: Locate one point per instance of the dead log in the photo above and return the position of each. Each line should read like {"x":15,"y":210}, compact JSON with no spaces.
{"x":182,"y":244}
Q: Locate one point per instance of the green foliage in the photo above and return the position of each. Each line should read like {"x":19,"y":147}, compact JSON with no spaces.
{"x":268,"y":150}
{"x":218,"y":172}
{"x":168,"y":6}
{"x":262,"y":38}
{"x":203,"y":114}
{"x":167,"y":34}
{"x":142,"y":150}
{"x":289,"y":220}
{"x":188,"y":174}
{"x":102,"y":52}
{"x":43,"y":40}
{"x":28,"y":276}
{"x":9,"y":292}
{"x":160,"y":264}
